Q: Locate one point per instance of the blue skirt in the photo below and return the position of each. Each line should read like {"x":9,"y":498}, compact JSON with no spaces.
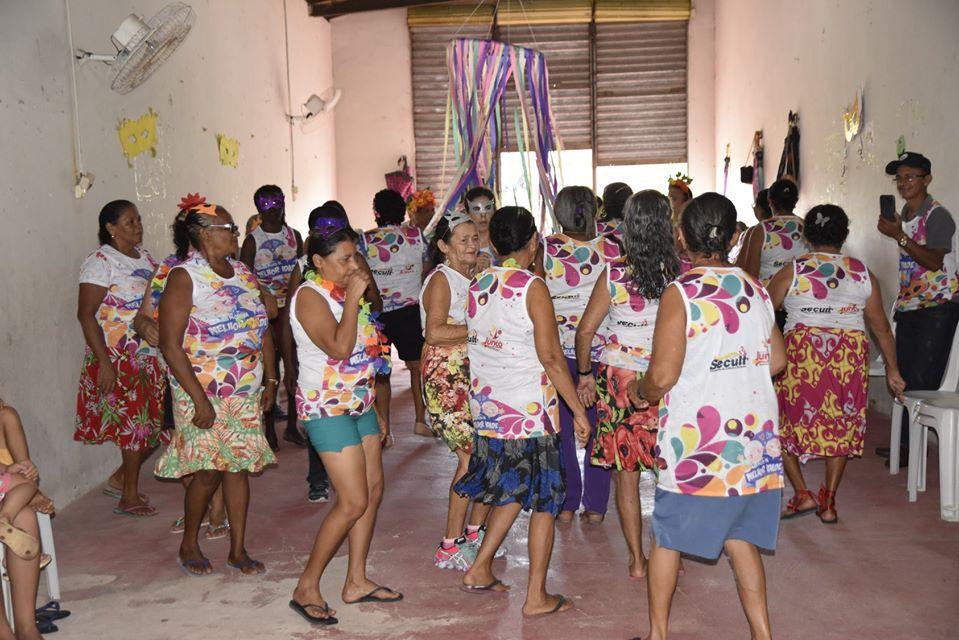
{"x":700,"y":525}
{"x":526,"y":471}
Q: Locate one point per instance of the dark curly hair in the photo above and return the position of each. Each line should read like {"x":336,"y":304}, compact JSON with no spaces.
{"x":783,"y":195}
{"x":186,"y":230}
{"x":648,"y":241}
{"x":709,"y":223}
{"x":510,"y":229}
{"x":443,"y":232}
{"x":109,"y":214}
{"x":389,"y":208}
{"x":762,"y":201}
{"x":475,"y":192}
{"x":826,"y":225}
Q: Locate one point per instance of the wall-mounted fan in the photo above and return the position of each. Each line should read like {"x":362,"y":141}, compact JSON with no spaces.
{"x":143,"y":45}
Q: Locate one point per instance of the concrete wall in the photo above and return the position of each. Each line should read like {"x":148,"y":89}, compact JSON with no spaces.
{"x":374,"y":120}
{"x":811,"y":57}
{"x":229,"y":76}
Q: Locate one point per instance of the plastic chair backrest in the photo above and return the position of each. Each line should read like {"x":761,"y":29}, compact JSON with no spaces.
{"x":950,"y":379}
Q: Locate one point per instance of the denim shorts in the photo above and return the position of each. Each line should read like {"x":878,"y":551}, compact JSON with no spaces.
{"x":700,"y":525}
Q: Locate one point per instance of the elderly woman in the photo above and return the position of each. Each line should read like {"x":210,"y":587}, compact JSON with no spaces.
{"x":830,"y":299}
{"x":615,"y":196}
{"x":271,"y":249}
{"x":628,"y":292}
{"x":715,"y":348}
{"x":121,"y":383}
{"x":214,"y":337}
{"x":573,"y":262}
{"x":446,"y":377}
{"x":395,"y":251}
{"x":479,"y":204}
{"x":338,"y":346}
{"x":517,"y":369}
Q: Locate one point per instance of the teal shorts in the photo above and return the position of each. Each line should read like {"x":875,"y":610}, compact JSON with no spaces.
{"x":334,"y":433}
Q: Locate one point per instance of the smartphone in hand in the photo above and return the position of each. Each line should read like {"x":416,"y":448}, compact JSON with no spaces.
{"x":887,"y":207}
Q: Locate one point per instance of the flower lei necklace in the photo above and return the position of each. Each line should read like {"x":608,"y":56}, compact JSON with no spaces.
{"x":511,"y":263}
{"x":375,"y":346}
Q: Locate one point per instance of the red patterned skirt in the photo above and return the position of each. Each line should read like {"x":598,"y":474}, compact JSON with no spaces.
{"x":625,"y":436}
{"x":823,"y":393}
{"x":131,"y":415}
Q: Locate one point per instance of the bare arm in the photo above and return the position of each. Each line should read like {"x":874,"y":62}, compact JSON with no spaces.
{"x":299,"y":243}
{"x":248,"y":252}
{"x":538,"y":261}
{"x":436,"y":300}
{"x":596,"y":310}
{"x":268,"y":353}
{"x":269,"y":301}
{"x":89,"y":300}
{"x":669,"y":348}
{"x":372,"y":293}
{"x":175,"y":305}
{"x":751,"y":253}
{"x":550,"y":354}
{"x":929,"y":258}
{"x":336,"y":339}
{"x":878,"y":323}
{"x":143,"y":322}
{"x":779,"y":285}
{"x":777,"y":352}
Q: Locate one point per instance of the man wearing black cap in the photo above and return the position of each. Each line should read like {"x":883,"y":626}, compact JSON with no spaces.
{"x":926,"y":309}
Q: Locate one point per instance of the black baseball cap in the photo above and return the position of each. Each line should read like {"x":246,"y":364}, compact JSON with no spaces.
{"x":910,"y":159}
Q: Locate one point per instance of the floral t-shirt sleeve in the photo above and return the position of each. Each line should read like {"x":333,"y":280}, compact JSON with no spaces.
{"x":95,"y":270}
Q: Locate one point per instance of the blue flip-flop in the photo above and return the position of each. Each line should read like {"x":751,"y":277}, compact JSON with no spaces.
{"x":247,"y":563}
{"x":185,"y":566}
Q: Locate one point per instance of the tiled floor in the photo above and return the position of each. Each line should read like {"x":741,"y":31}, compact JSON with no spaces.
{"x":889,"y":569}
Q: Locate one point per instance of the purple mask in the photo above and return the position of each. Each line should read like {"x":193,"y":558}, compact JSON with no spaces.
{"x":267,"y":203}
{"x":325,"y":227}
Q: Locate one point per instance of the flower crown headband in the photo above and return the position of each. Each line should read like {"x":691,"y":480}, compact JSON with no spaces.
{"x":681,"y":181}
{"x":420,"y":199}
{"x":195,"y":202}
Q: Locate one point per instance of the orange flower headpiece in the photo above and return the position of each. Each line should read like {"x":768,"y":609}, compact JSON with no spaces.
{"x":195,"y":202}
{"x":681,"y":181}
{"x":419,"y":199}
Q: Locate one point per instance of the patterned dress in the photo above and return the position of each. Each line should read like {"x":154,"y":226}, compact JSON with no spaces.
{"x":223,"y":342}
{"x":514,"y":404}
{"x":446,"y":372}
{"x":131,"y":414}
{"x":718,"y":426}
{"x":782,"y":242}
{"x":625,"y":437}
{"x":824,"y":390}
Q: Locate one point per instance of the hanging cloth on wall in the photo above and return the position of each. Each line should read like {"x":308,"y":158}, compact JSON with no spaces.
{"x":726,"y":169}
{"x":401,"y":180}
{"x":789,"y":163}
{"x":479,"y":75}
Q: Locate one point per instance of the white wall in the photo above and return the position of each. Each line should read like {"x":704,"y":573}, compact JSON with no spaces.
{"x":701,"y":101}
{"x":228,"y":76}
{"x":374,"y":120}
{"x":777,"y":55}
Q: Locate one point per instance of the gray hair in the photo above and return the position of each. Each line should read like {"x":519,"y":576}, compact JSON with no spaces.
{"x":575,"y":210}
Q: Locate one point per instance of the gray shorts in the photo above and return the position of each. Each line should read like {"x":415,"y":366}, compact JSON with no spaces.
{"x":700,"y":525}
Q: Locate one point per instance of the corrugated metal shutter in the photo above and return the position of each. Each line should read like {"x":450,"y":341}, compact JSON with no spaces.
{"x":430,"y":90}
{"x":566,"y":47}
{"x":640,"y":93}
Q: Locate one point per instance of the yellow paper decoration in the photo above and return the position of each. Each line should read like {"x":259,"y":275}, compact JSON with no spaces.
{"x":229,"y":150}
{"x":138,"y":136}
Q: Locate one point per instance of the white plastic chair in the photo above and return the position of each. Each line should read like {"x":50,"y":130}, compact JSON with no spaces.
{"x":943,"y":416}
{"x":53,"y":577}
{"x":947,"y":390}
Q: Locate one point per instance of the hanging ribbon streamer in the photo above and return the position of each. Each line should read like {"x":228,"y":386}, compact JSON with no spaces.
{"x":479,"y":76}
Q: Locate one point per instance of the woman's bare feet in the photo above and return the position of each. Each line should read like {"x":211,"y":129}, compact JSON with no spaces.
{"x":355,"y":591}
{"x":246,"y":565}
{"x":552,"y":603}
{"x":312,"y":600}
{"x":193,"y":561}
{"x":565,"y":517}
{"x":637,"y":569}
{"x":42,"y":504}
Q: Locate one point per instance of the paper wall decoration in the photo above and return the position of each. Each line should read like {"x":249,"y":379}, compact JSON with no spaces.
{"x":852,"y":117}
{"x":138,"y":136}
{"x":901,"y":145}
{"x":229,"y":150}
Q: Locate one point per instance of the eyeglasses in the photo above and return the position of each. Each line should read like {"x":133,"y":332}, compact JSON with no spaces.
{"x":235,"y":230}
{"x":909,"y":178}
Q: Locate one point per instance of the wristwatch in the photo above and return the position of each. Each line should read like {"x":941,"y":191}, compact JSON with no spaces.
{"x":903,"y":241}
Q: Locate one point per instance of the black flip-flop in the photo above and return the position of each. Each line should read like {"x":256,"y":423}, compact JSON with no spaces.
{"x":483,"y":588}
{"x":302,"y":610}
{"x":371,"y":596}
{"x":52,"y":611}
{"x":559,"y":605}
{"x":45,"y":626}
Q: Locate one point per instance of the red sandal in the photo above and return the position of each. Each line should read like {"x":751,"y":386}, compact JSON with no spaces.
{"x":827,"y":502}
{"x":792,"y":507}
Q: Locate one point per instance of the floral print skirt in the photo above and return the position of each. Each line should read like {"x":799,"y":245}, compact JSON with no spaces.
{"x":446,"y":386}
{"x":625,"y":437}
{"x":234,"y":443}
{"x":823,"y":393}
{"x":527,"y":471}
{"x":131,"y":415}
